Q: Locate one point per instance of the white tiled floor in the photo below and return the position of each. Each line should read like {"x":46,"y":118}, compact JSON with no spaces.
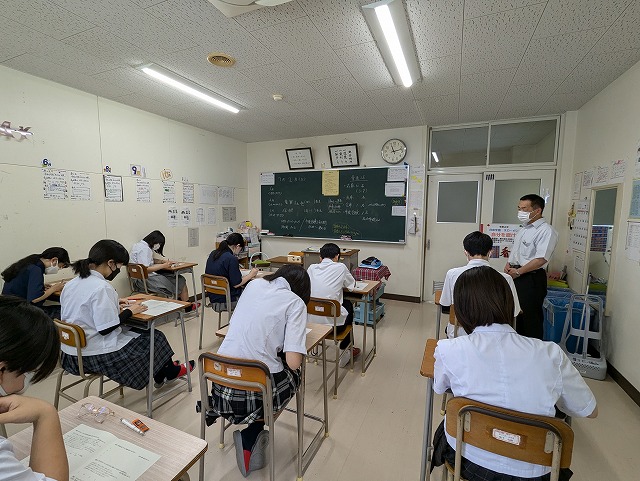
{"x":376,"y":422}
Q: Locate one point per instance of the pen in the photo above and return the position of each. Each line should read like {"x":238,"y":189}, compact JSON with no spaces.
{"x":130,"y":426}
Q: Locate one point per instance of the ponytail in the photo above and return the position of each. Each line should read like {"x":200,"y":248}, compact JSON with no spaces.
{"x":231,"y":240}
{"x":101,"y":252}
{"x":81,"y":267}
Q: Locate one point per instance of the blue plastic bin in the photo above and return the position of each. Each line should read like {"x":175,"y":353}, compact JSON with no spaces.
{"x":555,"y":314}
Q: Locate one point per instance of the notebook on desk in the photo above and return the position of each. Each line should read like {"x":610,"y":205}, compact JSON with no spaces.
{"x":360,"y":286}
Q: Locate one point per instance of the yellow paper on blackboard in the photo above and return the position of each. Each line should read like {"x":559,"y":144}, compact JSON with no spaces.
{"x":330,"y":182}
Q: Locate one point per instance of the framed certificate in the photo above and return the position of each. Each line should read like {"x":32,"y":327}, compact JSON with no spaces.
{"x":300,"y":158}
{"x":345,"y":155}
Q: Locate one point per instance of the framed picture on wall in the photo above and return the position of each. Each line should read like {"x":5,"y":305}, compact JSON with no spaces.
{"x":345,"y":155}
{"x":300,"y":158}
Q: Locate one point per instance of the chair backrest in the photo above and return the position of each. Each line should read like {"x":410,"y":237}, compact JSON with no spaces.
{"x":216,"y":285}
{"x":245,"y":374}
{"x":74,"y":336}
{"x":526,"y":437}
{"x":137,"y":271}
{"x":319,"y":306}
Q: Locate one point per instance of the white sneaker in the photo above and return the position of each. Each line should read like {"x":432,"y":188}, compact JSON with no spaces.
{"x":345,"y":356}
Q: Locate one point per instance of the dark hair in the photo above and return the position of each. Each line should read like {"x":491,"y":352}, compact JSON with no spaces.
{"x":477,"y":243}
{"x":102,"y":251}
{"x":482,"y":297}
{"x":234,"y":239}
{"x":14,"y":269}
{"x":537,"y":202}
{"x":297,"y":278}
{"x":28,"y":338}
{"x":156,"y":237}
{"x":329,"y":251}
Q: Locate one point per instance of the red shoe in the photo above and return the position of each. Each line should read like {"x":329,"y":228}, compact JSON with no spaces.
{"x":183,"y":368}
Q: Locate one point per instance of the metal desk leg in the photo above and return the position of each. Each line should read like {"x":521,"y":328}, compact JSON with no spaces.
{"x":300,"y":417}
{"x":324,"y":389}
{"x":186,"y":350}
{"x":151,"y":357}
{"x":365,"y":318}
{"x":438,"y":316}
{"x":195,"y":293}
{"x":427,"y":448}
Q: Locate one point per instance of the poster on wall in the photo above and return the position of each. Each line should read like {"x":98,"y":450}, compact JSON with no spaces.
{"x":618,"y":170}
{"x":143,"y":190}
{"x":54,"y":184}
{"x":113,"y":188}
{"x":225,"y":195}
{"x":168,"y":192}
{"x":578,"y":262}
{"x":577,"y":184}
{"x":80,"y":185}
{"x":634,"y":208}
{"x":208,"y":194}
{"x":601,"y":176}
{"x":579,"y":226}
{"x":503,"y":236}
{"x":211,"y":216}
{"x":587,"y":179}
{"x":228,"y":214}
{"x":636,"y":170}
{"x":200,"y":216}
{"x":172,"y":216}
{"x":185,"y":215}
{"x":188,"y":193}
{"x":632,"y":245}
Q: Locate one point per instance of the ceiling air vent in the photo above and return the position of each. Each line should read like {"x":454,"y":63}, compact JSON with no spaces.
{"x":221,"y":59}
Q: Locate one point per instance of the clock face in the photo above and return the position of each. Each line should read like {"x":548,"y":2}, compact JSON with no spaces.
{"x":393,"y":151}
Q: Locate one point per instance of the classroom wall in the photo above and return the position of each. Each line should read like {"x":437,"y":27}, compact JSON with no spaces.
{"x":404,"y":261}
{"x":608,"y":129}
{"x":81,"y":132}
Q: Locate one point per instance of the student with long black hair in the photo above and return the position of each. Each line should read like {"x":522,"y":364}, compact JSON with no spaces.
{"x":224,"y":262}
{"x":29,"y":349}
{"x":25,"y":278}
{"x":116,"y":351}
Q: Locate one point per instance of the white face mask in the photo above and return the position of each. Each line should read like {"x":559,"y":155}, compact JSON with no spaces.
{"x":523,"y":216}
{"x":52,"y":269}
{"x":27,"y":382}
{"x":156,"y":247}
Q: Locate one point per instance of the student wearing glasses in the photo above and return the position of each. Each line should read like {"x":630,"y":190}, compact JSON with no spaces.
{"x":112,"y":349}
{"x":29,"y":349}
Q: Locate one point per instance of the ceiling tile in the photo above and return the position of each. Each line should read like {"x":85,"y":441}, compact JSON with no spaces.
{"x":148,"y":104}
{"x":624,"y":34}
{"x":340,"y":91}
{"x":478,"y":8}
{"x":324,"y":112}
{"x":267,"y":17}
{"x":563,"y":16}
{"x":73,"y":59}
{"x":481,"y":94}
{"x":440,"y":76}
{"x":366,"y":65}
{"x":561,"y":102}
{"x":44,"y":16}
{"x":498,"y":41}
{"x":18,"y":39}
{"x":439,"y":110}
{"x":436,"y":27}
{"x":102,"y":44}
{"x":393,"y":101}
{"x":550,"y":59}
{"x":279,"y":78}
{"x":408,"y":119}
{"x":147,"y":3}
{"x":524,"y":100}
{"x":340,"y":22}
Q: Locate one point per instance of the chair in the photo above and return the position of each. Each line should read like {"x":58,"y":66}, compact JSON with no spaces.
{"x":73,"y":335}
{"x":331,"y":308}
{"x":543,"y":440}
{"x":214,"y":285}
{"x":242,"y":374}
{"x":139,"y":272}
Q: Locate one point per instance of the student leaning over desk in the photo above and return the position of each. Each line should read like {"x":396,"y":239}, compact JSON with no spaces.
{"x":118,"y":352}
{"x":25,"y":278}
{"x":29,"y":348}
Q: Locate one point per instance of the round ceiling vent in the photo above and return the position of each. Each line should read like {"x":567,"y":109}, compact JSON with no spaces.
{"x":221,"y":59}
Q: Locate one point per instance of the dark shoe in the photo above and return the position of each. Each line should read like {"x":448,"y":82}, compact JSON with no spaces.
{"x":243,"y":457}
{"x":259,"y":456}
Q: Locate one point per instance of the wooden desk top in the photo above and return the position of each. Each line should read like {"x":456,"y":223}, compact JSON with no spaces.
{"x":178,"y":266}
{"x":314,"y":337}
{"x":371,"y":285}
{"x":178,"y":450}
{"x":147,"y":297}
{"x":283,"y":260}
{"x":428,"y":360}
{"x":343,"y":252}
{"x":260,"y":274}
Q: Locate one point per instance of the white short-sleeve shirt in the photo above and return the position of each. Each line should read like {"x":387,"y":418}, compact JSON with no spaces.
{"x":141,"y":253}
{"x":268,"y":319}
{"x":497,"y":366}
{"x":13,"y":469}
{"x":533,"y":241}
{"x":328,"y":278}
{"x":92,"y":304}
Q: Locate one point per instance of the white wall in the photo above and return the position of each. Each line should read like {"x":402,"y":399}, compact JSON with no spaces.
{"x":608,"y":128}
{"x":82,"y":132}
{"x":404,"y":261}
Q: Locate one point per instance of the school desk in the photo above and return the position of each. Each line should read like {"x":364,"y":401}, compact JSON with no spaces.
{"x":279,"y":261}
{"x":178,"y":450}
{"x":366,"y":296}
{"x":145,"y":321}
{"x":178,"y":268}
{"x":349,"y":257}
{"x":426,"y":370}
{"x":315,"y":337}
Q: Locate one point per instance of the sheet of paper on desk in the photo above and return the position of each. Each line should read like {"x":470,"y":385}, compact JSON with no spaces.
{"x":156,"y":308}
{"x":96,"y":455}
{"x":307,"y":331}
{"x":360,"y":286}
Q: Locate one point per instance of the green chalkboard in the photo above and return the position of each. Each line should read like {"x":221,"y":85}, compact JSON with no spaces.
{"x":370,"y":205}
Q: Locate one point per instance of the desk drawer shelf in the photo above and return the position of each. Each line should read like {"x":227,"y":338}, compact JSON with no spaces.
{"x":357,"y":314}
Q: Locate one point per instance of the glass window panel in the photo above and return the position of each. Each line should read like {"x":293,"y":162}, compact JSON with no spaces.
{"x":458,"y":201}
{"x":459,"y":147}
{"x":523,"y":143}
{"x":506,"y":196}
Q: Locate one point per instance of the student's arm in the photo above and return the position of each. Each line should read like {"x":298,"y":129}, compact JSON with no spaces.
{"x":35,"y":285}
{"x":159,"y":266}
{"x":295,"y":335}
{"x":349,"y":280}
{"x":576,"y":399}
{"x":48,"y":455}
{"x":294,"y":360}
{"x":233,"y":271}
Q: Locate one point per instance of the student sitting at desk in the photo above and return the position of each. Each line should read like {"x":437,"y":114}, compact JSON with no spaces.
{"x":224,"y":262}
{"x":148,"y":252}
{"x":25,"y":278}
{"x":477,"y":248}
{"x":29,"y":349}
{"x":268,"y":325}
{"x":495,"y":365}
{"x":328,"y":279}
{"x":92,"y":303}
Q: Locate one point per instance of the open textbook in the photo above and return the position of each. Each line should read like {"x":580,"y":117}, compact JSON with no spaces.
{"x":96,"y":455}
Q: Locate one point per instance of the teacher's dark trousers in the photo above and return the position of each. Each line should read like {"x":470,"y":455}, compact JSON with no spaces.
{"x":532,"y":289}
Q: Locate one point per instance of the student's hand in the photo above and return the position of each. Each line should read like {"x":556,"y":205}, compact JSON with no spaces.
{"x":507,"y":268}
{"x":22,"y":409}
{"x":253,"y":273}
{"x":167,"y":264}
{"x":136,"y":308}
{"x":52,"y":290}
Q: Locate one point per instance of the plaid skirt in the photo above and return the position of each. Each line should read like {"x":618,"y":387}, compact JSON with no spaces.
{"x":130,"y":365}
{"x":164,"y":283}
{"x":245,"y":407}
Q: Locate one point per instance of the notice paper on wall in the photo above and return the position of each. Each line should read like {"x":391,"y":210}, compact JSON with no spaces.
{"x":112,"y":188}
{"x":228,"y":214}
{"x":397,"y":173}
{"x":225,"y":195}
{"x":587,"y":179}
{"x":267,"y":178}
{"x":632,"y":245}
{"x":577,"y":184}
{"x":578,"y":262}
{"x":168,"y":192}
{"x":185,"y":215}
{"x":580,"y":226}
{"x":80,"y":185}
{"x":618,"y":170}
{"x":399,"y":210}
{"x":330,"y":182}
{"x":143,"y":190}
{"x":394,"y":189}
{"x":208,"y":194}
{"x":200,"y":216}
{"x":211,"y":216}
{"x":172,"y":216}
{"x":54,"y":184}
{"x":634,"y":207}
{"x":188,"y":193}
{"x":601,"y":176}
{"x":503,"y":237}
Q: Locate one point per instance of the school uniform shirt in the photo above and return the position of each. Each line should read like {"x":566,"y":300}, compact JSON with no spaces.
{"x":141,"y":253}
{"x":226,"y":265}
{"x":92,"y":304}
{"x":28,"y":284}
{"x":497,"y":366}
{"x":268,"y":319}
{"x":327,"y":281}
{"x":13,"y":469}
{"x":533,"y":241}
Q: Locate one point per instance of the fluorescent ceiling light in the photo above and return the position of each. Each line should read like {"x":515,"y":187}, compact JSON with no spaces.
{"x":388,"y":24}
{"x":435,"y":157}
{"x":174,"y":80}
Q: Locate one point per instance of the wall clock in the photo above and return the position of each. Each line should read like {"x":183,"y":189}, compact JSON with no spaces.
{"x":393,"y":151}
